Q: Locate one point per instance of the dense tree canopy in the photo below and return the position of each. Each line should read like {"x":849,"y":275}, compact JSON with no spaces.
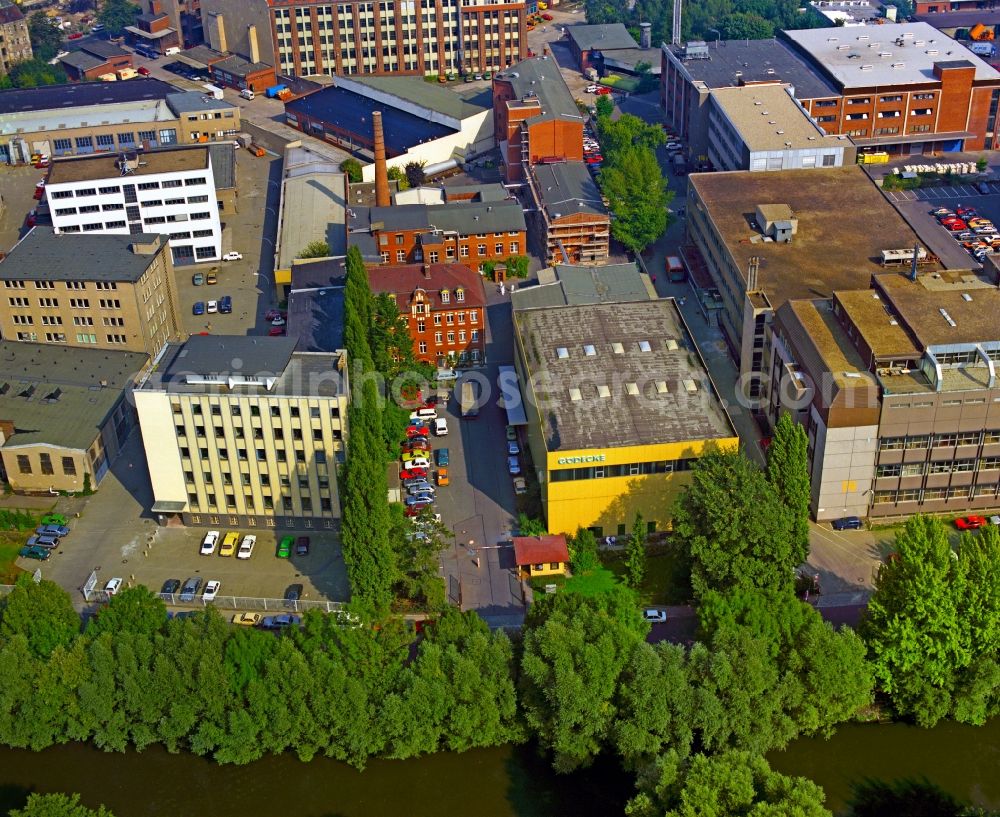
{"x":933,"y":624}
{"x":40,"y":613}
{"x":116,"y":14}
{"x":788,"y":472}
{"x":735,"y":527}
{"x":46,"y":38}
{"x":731,"y":784}
{"x":58,"y":805}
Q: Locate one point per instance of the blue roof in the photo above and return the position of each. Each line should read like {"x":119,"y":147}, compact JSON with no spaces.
{"x":346,"y":113}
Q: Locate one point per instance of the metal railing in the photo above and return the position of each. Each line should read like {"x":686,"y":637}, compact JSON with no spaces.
{"x":249,"y":603}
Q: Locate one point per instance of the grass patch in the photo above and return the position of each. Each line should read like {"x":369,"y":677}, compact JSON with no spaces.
{"x":665,"y":582}
{"x":591,"y":583}
{"x":629,"y":84}
{"x":10,"y":543}
{"x":538,"y":583}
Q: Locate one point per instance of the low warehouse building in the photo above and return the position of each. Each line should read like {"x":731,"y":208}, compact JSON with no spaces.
{"x":423,"y":122}
{"x":64,"y":414}
{"x":619,"y":404}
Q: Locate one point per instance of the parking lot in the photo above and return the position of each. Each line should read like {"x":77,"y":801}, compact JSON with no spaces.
{"x":112,"y":533}
{"x":917,"y":212}
{"x":944,"y":194}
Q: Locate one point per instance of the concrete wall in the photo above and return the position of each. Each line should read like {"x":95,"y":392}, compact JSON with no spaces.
{"x":843,"y":469}
{"x":236,"y":18}
{"x":36,"y":481}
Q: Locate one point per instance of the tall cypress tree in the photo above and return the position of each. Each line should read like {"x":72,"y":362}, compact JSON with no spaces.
{"x":788,"y":472}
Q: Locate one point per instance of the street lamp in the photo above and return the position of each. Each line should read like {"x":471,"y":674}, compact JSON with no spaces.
{"x":718,"y":35}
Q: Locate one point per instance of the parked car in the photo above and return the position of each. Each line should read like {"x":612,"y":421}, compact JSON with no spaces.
{"x":212,"y":307}
{"x":198,"y":279}
{"x":416,"y":431}
{"x":247,"y":619}
{"x":209,"y":542}
{"x":654,"y":616}
{"x":271,"y":314}
{"x":143,"y":70}
{"x":113,"y":586}
{"x":603,"y":91}
{"x":441,"y":457}
{"x":847,"y":523}
{"x":971,"y":522}
{"x":442,"y":477}
{"x":281,"y":622}
{"x":225,"y":304}
{"x":47,"y":542}
{"x":278,"y":321}
{"x":212,"y":277}
{"x":964,"y":211}
{"x":170,"y":586}
{"x":413,"y":473}
{"x":198,"y":308}
{"x":594,"y":160}
{"x":420,"y":488}
{"x":285,"y":547}
{"x":246,"y":547}
{"x":57,"y":531}
{"x":955,"y":226}
{"x":513,"y":466}
{"x":190,"y":589}
{"x":419,"y":500}
{"x":229,"y":543}
{"x":276,"y":332}
{"x":211,"y":590}
{"x":592,"y":89}
{"x":420,"y":462}
{"x":292,"y":595}
{"x":232,"y":255}
{"x":675,"y":146}
{"x":302,"y":546}
{"x":35,"y":552}
{"x":942,"y":212}
{"x":513,"y":447}
{"x":520,"y":486}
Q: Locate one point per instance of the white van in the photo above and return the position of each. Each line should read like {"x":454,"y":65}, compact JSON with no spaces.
{"x":246,"y":93}
{"x":423,"y":414}
{"x":441,"y":427}
{"x":169,"y":52}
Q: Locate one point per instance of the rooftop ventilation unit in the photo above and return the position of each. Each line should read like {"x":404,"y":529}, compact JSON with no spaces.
{"x":867,"y":67}
{"x":898,"y":65}
{"x":947,"y":317}
{"x":966,"y":296}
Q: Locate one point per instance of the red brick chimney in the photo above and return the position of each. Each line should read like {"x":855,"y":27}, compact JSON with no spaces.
{"x":381,"y":173}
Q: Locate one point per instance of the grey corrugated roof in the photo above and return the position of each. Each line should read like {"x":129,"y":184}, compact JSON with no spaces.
{"x":463,"y":217}
{"x":223,"y":158}
{"x":82,"y":61}
{"x":416,"y":91}
{"x":103,"y":48}
{"x":42,"y":255}
{"x":567,"y":188}
{"x":577,"y":284}
{"x":540,"y":76}
{"x":54,"y":394}
{"x":196,"y":101}
{"x":239,"y":66}
{"x":607,"y":37}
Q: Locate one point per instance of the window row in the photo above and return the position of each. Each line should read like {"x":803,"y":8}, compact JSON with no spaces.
{"x":987,"y":437}
{"x":632,"y":469}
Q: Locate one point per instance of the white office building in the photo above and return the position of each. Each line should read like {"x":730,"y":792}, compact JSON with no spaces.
{"x":171,"y":192}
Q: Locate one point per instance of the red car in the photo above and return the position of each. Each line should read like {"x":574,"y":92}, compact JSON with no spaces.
{"x":413,"y":473}
{"x":955,"y":226}
{"x":962,"y":210}
{"x":414,"y":510}
{"x":970,"y":522}
{"x":40,"y":190}
{"x":547,"y":17}
{"x":75,"y":36}
{"x":142,"y":69}
{"x":603,"y":90}
{"x":593,"y":159}
{"x":413,"y":445}
{"x":276,"y":331}
{"x":416,"y":431}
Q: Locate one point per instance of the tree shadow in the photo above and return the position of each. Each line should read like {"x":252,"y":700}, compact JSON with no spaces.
{"x":13,"y":797}
{"x":907,"y":797}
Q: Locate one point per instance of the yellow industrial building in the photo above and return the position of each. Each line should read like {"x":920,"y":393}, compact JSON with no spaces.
{"x":619,"y":404}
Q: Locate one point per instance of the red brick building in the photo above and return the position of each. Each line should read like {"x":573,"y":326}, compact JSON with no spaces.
{"x":445,"y":308}
{"x":535,"y":118}
{"x":467,"y":232}
{"x":94,"y":60}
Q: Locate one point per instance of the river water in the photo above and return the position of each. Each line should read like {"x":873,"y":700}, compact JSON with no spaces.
{"x":503,"y":782}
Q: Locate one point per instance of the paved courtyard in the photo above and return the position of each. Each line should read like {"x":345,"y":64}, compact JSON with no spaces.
{"x":113,"y":534}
